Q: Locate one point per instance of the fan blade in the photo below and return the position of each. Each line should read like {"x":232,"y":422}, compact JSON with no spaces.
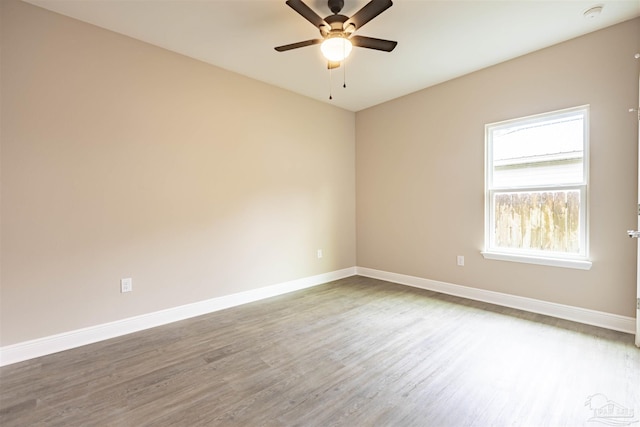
{"x":368,"y":12}
{"x":371,"y":43}
{"x":297,"y":45}
{"x":307,"y":13}
{"x":331,"y":65}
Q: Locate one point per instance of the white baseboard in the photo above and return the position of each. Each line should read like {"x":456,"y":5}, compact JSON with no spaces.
{"x":52,"y":344}
{"x":567,"y":312}
{"x":68,"y":340}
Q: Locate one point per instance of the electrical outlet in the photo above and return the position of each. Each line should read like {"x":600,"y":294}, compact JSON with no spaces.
{"x":461,"y":260}
{"x":126,"y":285}
{"x":319,"y":253}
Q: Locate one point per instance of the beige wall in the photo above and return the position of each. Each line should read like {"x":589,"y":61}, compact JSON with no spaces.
{"x":120,"y":159}
{"x":420,"y":172}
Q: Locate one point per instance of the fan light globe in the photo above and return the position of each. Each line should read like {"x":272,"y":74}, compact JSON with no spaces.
{"x":336,"y":49}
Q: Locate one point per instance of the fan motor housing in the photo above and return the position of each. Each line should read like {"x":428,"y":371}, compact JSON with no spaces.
{"x":336,"y":21}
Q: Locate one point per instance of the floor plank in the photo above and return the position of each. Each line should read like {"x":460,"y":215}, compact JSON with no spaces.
{"x":354,"y":352}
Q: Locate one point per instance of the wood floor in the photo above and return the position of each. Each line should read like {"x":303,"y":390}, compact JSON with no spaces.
{"x":354,"y":352}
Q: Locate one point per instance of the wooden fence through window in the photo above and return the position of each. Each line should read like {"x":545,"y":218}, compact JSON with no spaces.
{"x":546,"y":220}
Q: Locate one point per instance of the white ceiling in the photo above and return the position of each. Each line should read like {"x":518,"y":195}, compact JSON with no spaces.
{"x":437,"y":39}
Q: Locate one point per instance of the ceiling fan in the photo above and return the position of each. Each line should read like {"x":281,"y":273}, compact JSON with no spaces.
{"x":337,"y":30}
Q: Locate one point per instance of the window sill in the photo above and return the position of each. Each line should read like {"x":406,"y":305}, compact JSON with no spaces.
{"x":530,"y":259}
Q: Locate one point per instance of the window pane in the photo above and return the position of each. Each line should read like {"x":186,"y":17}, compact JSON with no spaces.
{"x":538,"y":221}
{"x":565,"y":171}
{"x":539,"y":152}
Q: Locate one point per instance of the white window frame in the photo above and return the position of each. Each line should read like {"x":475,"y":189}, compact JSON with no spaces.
{"x":556,"y":259}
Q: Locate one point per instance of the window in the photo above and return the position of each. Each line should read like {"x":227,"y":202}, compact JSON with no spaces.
{"x":536,"y":189}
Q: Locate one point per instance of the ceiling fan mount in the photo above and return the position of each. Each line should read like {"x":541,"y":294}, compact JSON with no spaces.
{"x":336,"y":6}
{"x":341,"y":26}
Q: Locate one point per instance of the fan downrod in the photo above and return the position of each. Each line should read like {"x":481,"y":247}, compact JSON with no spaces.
{"x":336,"y":6}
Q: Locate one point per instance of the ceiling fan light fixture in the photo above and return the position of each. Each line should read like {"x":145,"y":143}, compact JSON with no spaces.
{"x":336,"y":48}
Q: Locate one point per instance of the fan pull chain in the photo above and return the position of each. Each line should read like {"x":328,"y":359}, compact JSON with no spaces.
{"x":330,"y":84}
{"x":344,"y":74}
{"x":344,"y":65}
